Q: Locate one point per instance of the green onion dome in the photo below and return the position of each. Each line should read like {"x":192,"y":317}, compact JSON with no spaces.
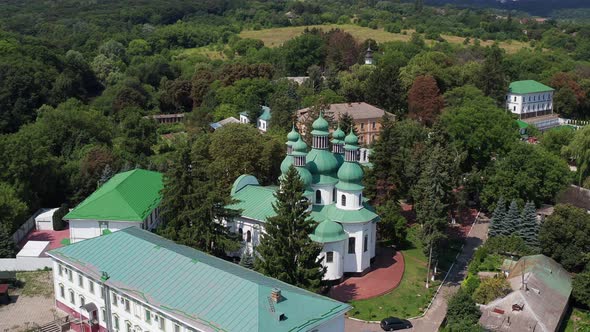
{"x":323,"y":165}
{"x":328,"y":231}
{"x":320,"y":126}
{"x":350,"y":176}
{"x":351,"y":139}
{"x":305,"y":176}
{"x":293,"y":136}
{"x":338,"y":136}
{"x":299,"y":148}
{"x":286,"y":163}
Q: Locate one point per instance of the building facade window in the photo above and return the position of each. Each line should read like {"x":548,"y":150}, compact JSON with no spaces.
{"x":360,"y":199}
{"x":334,"y":194}
{"x":373,"y":125}
{"x":72,"y":297}
{"x":80,"y":280}
{"x":351,"y":245}
{"x":248,"y":236}
{"x":162,"y":323}
{"x":82,"y":300}
{"x":70,"y":276}
{"x":366,"y":243}
{"x":318,"y":197}
{"x":148,"y":316}
{"x":127,"y":305}
{"x":114,"y":300}
{"x":101,"y":292}
{"x":329,"y":257}
{"x":91,"y":286}
{"x":103,"y":314}
{"x":61,"y":270}
{"x":176,"y":328}
{"x":62,"y":291}
{"x":241,"y":233}
{"x":116,"y":322}
{"x":129,"y":327}
{"x":343,"y":200}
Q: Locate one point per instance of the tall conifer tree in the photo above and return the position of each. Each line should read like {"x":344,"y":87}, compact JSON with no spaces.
{"x":285,"y":251}
{"x":529,"y":228}
{"x":498,"y":222}
{"x":513,"y":220}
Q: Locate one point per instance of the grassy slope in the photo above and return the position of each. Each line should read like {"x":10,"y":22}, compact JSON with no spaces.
{"x":277,"y":36}
{"x":36,"y":283}
{"x":577,"y":321}
{"x":410,"y":298}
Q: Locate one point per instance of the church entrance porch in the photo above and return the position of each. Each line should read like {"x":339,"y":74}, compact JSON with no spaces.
{"x":385,"y":275}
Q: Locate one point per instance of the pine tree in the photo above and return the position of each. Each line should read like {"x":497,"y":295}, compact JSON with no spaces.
{"x":498,"y":222}
{"x":285,"y":251}
{"x":529,"y":228}
{"x":7,"y":247}
{"x":192,"y":203}
{"x":107,"y":174}
{"x":513,"y":220}
{"x":247,"y":259}
{"x":346,"y":122}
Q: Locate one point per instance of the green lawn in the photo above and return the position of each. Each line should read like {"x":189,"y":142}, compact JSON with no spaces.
{"x":578,"y":320}
{"x":410,"y":298}
{"x":36,"y":283}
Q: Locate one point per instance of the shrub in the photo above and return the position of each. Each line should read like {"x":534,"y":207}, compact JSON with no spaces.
{"x":58,"y":221}
{"x":491,"y":289}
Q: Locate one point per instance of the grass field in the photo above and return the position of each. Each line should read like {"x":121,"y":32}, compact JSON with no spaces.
{"x":36,"y":283}
{"x":577,"y":321}
{"x":410,"y":298}
{"x":277,"y":36}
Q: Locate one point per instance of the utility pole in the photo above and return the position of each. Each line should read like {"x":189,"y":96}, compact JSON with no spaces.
{"x":428,"y":268}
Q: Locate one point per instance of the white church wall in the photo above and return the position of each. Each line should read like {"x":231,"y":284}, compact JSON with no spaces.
{"x":359,"y":260}
{"x":87,"y":229}
{"x":326,"y":191}
{"x":353,"y":200}
{"x":334,"y":270}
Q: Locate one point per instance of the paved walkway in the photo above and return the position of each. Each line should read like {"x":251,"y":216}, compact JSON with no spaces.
{"x":386,"y":274}
{"x":26,"y":312}
{"x":437,"y":312}
{"x":54,"y":237}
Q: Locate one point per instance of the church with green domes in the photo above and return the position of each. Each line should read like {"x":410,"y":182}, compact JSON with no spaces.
{"x":333,"y":179}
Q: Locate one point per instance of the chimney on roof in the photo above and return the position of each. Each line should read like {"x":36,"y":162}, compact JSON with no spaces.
{"x":275,"y":295}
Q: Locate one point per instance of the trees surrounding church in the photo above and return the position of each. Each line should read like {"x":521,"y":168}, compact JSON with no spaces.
{"x":498,"y":219}
{"x":424,"y":100}
{"x":285,"y":251}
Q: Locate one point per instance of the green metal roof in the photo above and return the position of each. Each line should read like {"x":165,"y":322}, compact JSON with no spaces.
{"x":265,"y":113}
{"x":546,"y":270}
{"x":323,"y":166}
{"x":195,"y":287}
{"x":328,"y":231}
{"x":522,"y":124}
{"x":293,"y":135}
{"x":528,"y":86}
{"x":320,"y":126}
{"x":127,"y":196}
{"x":255,"y":202}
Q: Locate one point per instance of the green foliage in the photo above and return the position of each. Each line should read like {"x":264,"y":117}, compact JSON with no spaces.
{"x":579,"y":150}
{"x":286,"y":252}
{"x":302,"y":52}
{"x":462,"y":313}
{"x":58,"y":218}
{"x":556,"y":139}
{"x":526,"y":173}
{"x":491,"y":289}
{"x":392,"y":225}
{"x":7,"y":246}
{"x":497,"y":224}
{"x":565,"y":237}
{"x":247,"y":259}
{"x":529,"y":227}
{"x":581,"y":289}
{"x":12,"y":210}
{"x":513,"y":219}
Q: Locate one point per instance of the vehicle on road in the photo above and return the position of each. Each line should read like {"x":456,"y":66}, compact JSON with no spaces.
{"x":394,"y":324}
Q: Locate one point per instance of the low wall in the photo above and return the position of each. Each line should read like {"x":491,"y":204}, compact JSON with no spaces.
{"x":25,"y":228}
{"x":25,"y":263}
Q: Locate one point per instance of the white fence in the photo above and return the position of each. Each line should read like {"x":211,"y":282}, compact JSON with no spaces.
{"x":25,"y":263}
{"x":25,"y":228}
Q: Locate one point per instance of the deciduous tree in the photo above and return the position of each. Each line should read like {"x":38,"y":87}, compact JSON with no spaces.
{"x":424,"y":100}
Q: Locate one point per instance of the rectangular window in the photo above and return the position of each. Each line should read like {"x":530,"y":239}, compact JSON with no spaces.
{"x":329,"y":257}
{"x":127,"y":305}
{"x":162,"y":323}
{"x":137,"y":309}
{"x":72,"y":297}
{"x":114,"y":299}
{"x":116,"y":322}
{"x":62,"y":291}
{"x":82,"y":300}
{"x":91,"y":286}
{"x":351,"y":244}
{"x":101,"y":292}
{"x":148,"y":316}
{"x":176,"y":328}
{"x":514,"y":98}
{"x":103,"y":313}
{"x":129,"y":329}
{"x":61,"y":270}
{"x":80,"y":280}
{"x":362,"y":126}
{"x":373,"y":125}
{"x":70,"y":276}
{"x":366,"y":243}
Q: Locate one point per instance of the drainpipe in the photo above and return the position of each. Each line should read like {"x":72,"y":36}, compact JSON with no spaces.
{"x":107,"y":301}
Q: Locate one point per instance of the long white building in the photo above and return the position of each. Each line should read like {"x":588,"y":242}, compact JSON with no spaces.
{"x":135,"y":281}
{"x":529,"y":99}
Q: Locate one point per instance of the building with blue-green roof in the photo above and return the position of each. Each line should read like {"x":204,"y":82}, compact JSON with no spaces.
{"x":330,"y":170}
{"x":262,"y":121}
{"x":529,"y":99}
{"x":134,"y":280}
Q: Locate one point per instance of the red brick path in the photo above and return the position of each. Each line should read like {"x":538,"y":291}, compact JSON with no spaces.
{"x":386,"y":274}
{"x":55,"y":237}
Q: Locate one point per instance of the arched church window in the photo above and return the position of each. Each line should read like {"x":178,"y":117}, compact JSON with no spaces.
{"x":334,"y":194}
{"x":318,"y":197}
{"x":248,"y":236}
{"x":343,"y":200}
{"x":360,"y":199}
{"x":241,"y":232}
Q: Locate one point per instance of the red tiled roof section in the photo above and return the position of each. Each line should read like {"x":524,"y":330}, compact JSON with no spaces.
{"x":358,"y":111}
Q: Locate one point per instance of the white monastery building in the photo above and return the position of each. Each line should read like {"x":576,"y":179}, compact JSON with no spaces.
{"x":529,"y":99}
{"x":128,"y":199}
{"x":135,"y":281}
{"x":347,"y":224}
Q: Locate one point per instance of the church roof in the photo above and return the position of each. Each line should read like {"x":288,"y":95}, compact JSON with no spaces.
{"x":127,"y":196}
{"x":196,"y":288}
{"x":328,"y":231}
{"x":365,"y":214}
{"x":265,"y":114}
{"x":254,"y":201}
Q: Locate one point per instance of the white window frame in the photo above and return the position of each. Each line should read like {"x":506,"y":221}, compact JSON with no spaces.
{"x":80,"y":280}
{"x":62,"y":291}
{"x":91,"y":286}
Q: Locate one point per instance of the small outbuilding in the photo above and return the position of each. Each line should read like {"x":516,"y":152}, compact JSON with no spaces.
{"x":44,"y":221}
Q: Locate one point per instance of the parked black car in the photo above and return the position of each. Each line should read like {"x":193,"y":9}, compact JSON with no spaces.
{"x":394,"y":324}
